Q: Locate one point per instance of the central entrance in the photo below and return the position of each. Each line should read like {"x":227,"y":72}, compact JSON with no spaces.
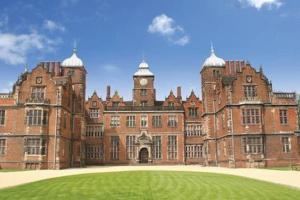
{"x":143,"y":157}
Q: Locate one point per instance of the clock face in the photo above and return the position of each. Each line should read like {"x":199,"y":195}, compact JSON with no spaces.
{"x":249,"y":79}
{"x":39,"y":80}
{"x":143,"y":81}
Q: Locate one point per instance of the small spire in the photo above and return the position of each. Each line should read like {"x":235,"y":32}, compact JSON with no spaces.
{"x":75,"y":47}
{"x":26,"y":68}
{"x":212,"y":50}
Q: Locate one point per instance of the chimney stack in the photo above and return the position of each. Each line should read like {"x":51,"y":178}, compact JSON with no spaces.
{"x":179,"y":92}
{"x":108,"y":92}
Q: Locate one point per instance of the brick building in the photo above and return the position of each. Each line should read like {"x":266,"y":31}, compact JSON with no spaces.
{"x":240,"y":122}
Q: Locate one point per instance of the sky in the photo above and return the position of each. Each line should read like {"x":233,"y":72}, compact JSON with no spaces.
{"x":174,"y":37}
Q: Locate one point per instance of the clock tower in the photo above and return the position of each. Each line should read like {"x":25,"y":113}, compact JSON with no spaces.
{"x":143,"y":90}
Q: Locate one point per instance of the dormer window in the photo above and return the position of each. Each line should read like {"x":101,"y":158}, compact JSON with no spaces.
{"x":94,"y":113}
{"x":250,"y":91}
{"x":37,"y":93}
{"x":171,"y":104}
{"x":94,"y":103}
{"x":193,"y":112}
{"x":115,"y":104}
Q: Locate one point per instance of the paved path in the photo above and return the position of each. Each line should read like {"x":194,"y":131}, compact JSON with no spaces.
{"x":290,"y":178}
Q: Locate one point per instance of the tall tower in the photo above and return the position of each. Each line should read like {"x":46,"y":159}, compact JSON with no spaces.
{"x":143,"y":90}
{"x":212,"y":69}
{"x":74,"y":68}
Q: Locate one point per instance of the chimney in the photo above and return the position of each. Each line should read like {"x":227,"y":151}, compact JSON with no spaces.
{"x":57,"y":69}
{"x":179,"y":92}
{"x":108,"y":92}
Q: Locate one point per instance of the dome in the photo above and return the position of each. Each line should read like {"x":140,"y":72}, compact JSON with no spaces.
{"x":213,"y":60}
{"x":73,"y":61}
{"x":143,"y":70}
{"x":143,"y":65}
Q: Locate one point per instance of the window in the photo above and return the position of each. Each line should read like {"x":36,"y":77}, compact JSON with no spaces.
{"x":37,"y":93}
{"x":286,"y":144}
{"x":172,"y":147}
{"x":114,"y":148}
{"x":251,"y":116}
{"x":156,"y":147}
{"x":216,"y":73}
{"x":2,"y":146}
{"x":2,"y":117}
{"x":193,"y":130}
{"x":283,"y":116}
{"x":143,"y":92}
{"x":115,"y":104}
{"x":172,"y":121}
{"x":144,"y":121}
{"x":171,"y":104}
{"x":143,"y":103}
{"x":94,"y":131}
{"x":94,"y":113}
{"x":252,"y":144}
{"x":94,"y":103}
{"x":250,"y":91}
{"x":156,"y":121}
{"x":193,"y":112}
{"x":130,"y":147}
{"x":193,"y":151}
{"x":115,"y":121}
{"x":35,"y":146}
{"x":94,"y":152}
{"x":36,"y":117}
{"x":130,"y":121}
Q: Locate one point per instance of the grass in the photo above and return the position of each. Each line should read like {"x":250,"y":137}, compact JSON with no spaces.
{"x":150,"y":185}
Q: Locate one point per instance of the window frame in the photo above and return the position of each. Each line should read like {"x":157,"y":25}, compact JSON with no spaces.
{"x":283,"y":116}
{"x":157,"y":147}
{"x":3,"y":146}
{"x":2,"y":117}
{"x":172,"y":148}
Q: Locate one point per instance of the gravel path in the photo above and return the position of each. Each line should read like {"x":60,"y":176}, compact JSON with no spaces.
{"x":290,"y":178}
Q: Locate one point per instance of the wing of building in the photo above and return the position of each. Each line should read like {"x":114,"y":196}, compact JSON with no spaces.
{"x":46,"y":123}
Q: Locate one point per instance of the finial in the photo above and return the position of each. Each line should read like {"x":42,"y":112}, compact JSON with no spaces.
{"x":143,"y":57}
{"x":75,"y":46}
{"x":212,"y":50}
{"x":26,"y":68}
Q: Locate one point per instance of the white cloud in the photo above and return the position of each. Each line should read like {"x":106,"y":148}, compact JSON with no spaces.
{"x":167,"y":27}
{"x":53,"y":26}
{"x":258,"y":4}
{"x":7,"y":87}
{"x":14,"y":48}
{"x":182,"y":41}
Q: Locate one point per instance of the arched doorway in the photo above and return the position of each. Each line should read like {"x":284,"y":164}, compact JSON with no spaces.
{"x":143,"y":157}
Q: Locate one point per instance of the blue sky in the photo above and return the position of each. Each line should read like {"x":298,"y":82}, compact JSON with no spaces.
{"x":174,"y":36}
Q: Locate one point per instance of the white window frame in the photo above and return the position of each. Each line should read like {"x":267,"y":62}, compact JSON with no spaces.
{"x":144,"y":121}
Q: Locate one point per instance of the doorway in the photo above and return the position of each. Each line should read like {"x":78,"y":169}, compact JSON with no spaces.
{"x":144,"y":155}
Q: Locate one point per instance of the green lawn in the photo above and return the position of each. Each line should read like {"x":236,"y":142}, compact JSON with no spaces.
{"x":150,"y":185}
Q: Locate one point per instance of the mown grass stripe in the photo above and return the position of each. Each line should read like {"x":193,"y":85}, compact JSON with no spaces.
{"x":150,"y":185}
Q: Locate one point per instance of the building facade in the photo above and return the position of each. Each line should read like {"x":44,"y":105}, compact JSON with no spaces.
{"x":46,"y":123}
